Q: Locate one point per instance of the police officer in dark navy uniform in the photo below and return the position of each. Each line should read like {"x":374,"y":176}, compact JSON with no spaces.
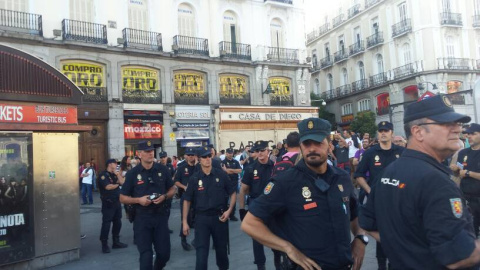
{"x":374,"y":161}
{"x":417,"y":212}
{"x":208,"y":188}
{"x":185,"y":170}
{"x":315,"y":207}
{"x":109,"y":187}
{"x":468,"y":168}
{"x":254,"y":180}
{"x":232,"y":167}
{"x":148,"y":186}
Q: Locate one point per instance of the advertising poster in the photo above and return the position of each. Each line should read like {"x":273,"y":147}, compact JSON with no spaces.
{"x":16,"y":198}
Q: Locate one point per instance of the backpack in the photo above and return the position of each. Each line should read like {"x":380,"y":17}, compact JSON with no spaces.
{"x":283,"y":165}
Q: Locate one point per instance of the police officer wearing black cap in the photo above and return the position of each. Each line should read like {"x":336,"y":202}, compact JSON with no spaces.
{"x":254,"y":180}
{"x":232,"y":167}
{"x":185,"y":170}
{"x":109,"y":187}
{"x":468,"y":168}
{"x":148,"y":186}
{"x":208,"y":188}
{"x":415,"y":210}
{"x":163,"y":160}
{"x":315,"y":207}
{"x":373,"y":162}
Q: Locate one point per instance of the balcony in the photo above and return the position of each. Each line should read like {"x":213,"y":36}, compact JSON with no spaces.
{"x":281,"y":100}
{"x":451,"y":19}
{"x":326,"y":62}
{"x":369,"y":3}
{"x":343,"y":90}
{"x":353,"y":10}
{"x":142,"y":96}
{"x":359,"y":85}
{"x":401,"y":28}
{"x":378,"y":79}
{"x":282,"y":55}
{"x":84,"y":31}
{"x":289,"y":2}
{"x":318,"y":32}
{"x":340,"y":56}
{"x":476,"y":21}
{"x":94,"y":94}
{"x":337,"y":20}
{"x":477,"y":64}
{"x":190,"y":45}
{"x":403,"y":71}
{"x":454,"y":63}
{"x":140,"y":39}
{"x":191,"y":97}
{"x":375,"y":40}
{"x":21,"y":22}
{"x":357,"y":47}
{"x":235,"y":50}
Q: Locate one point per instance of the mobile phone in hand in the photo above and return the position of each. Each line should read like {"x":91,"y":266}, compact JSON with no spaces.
{"x":460,"y":165}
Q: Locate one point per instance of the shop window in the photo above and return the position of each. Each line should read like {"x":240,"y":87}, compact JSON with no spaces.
{"x":140,"y":85}
{"x":410,"y":93}
{"x":234,"y":89}
{"x":186,"y":21}
{"x":89,"y":77}
{"x":138,"y":14}
{"x":347,"y":109}
{"x":282,"y":91}
{"x":190,"y":87}
{"x":364,"y":105}
{"x":82,"y":10}
{"x":453,"y":89}
{"x":383,"y":104}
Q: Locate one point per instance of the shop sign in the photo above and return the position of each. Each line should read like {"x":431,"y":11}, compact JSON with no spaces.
{"x":281,"y":88}
{"x":189,"y":84}
{"x":142,"y":131}
{"x":139,"y":79}
{"x":233,"y":86}
{"x":278,"y":116}
{"x":185,"y":134}
{"x":38,"y":114}
{"x":88,"y":76}
{"x":191,"y":143}
{"x":192,"y":113}
{"x":192,"y":125}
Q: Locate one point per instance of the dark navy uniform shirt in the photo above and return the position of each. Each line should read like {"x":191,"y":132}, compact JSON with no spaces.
{"x":420,"y":213}
{"x":470,"y":160}
{"x":170,"y":168}
{"x":232,"y":164}
{"x":257,"y":176}
{"x":209,"y":192}
{"x":184,"y":172}
{"x":313,"y":211}
{"x":375,"y":160}
{"x":140,"y":182}
{"x":107,"y":178}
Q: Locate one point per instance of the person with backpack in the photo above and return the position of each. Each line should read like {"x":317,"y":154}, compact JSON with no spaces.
{"x":88,"y":176}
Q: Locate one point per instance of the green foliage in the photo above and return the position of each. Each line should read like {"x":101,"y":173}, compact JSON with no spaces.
{"x":364,"y":122}
{"x":322,"y":111}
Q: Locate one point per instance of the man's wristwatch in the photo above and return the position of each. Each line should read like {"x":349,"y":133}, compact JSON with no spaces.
{"x":362,"y":238}
{"x":467,"y":173}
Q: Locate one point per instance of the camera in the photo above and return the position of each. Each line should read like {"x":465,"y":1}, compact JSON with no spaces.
{"x":154,"y":196}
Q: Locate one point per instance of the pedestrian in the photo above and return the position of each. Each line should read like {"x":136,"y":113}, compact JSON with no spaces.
{"x":164,"y":160}
{"x":88,"y":178}
{"x":248,"y":157}
{"x":356,"y":160}
{"x":232,"y":167}
{"x":109,"y":183}
{"x":254,"y":180}
{"x":93,"y":164}
{"x":315,"y":208}
{"x":416,"y":211}
{"x":341,"y":153}
{"x":184,"y":172}
{"x":400,"y":141}
{"x":174,"y":162}
{"x":353,"y":143}
{"x":467,"y":168}
{"x":148,"y":186}
{"x":208,"y":188}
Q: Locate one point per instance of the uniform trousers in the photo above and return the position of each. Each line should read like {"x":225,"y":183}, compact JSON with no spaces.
{"x":150,"y":228}
{"x":111,"y":213}
{"x":474,"y":205}
{"x":206,"y":225}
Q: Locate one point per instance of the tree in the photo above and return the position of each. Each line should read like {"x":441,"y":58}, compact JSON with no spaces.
{"x":322,"y":110}
{"x":364,"y":122}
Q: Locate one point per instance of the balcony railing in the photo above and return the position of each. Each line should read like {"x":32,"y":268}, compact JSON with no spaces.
{"x":477,"y":64}
{"x":404,"y":71}
{"x":21,"y":22}
{"x":235,"y":50}
{"x":230,"y":100}
{"x":353,"y":10}
{"x":369,"y":3}
{"x":281,"y":100}
{"x":282,"y":55}
{"x":359,"y":85}
{"x":318,"y":32}
{"x":343,"y":90}
{"x":378,"y":79}
{"x":290,"y":2}
{"x":97,"y":94}
{"x":449,"y":18}
{"x":375,"y":39}
{"x":337,"y":20}
{"x":357,"y":47}
{"x":142,"y":39}
{"x":454,"y":63}
{"x":190,"y":45}
{"x":323,"y":29}
{"x":340,"y":56}
{"x":84,"y":31}
{"x":476,"y":20}
{"x":142,"y":96}
{"x":193,"y":98}
{"x":326,"y":62}
{"x":401,"y":28}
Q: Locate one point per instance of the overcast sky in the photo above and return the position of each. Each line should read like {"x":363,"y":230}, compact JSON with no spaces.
{"x":315,"y":12}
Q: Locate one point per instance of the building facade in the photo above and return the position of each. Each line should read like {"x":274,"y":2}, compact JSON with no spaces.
{"x":379,"y":55}
{"x":159,"y":69}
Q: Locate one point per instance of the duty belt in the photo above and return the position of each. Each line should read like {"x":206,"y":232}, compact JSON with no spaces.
{"x":156,"y":210}
{"x":210,"y":212}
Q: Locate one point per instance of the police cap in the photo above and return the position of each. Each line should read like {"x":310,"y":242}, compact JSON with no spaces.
{"x":110,"y":161}
{"x":190,"y":151}
{"x":204,"y":151}
{"x":163,"y":154}
{"x":259,"y":145}
{"x":437,"y":108}
{"x":229,"y":150}
{"x":473,"y":128}
{"x":385,"y":125}
{"x":315,"y":129}
{"x":145,"y":146}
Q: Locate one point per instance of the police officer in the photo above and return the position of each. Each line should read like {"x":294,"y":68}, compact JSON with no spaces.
{"x":163,"y":160}
{"x":208,"y":188}
{"x":468,"y":168}
{"x":185,"y":170}
{"x":254,"y":180}
{"x":315,"y":207}
{"x":373,"y":162}
{"x":148,"y":186}
{"x":415,"y":210}
{"x":232,"y":167}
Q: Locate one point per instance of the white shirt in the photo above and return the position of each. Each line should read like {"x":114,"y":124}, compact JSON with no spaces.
{"x":351,"y":147}
{"x":88,"y":179}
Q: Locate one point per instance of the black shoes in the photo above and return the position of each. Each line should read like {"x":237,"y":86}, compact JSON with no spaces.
{"x":233,"y":218}
{"x":105,"y":248}
{"x":186,"y":246}
{"x":118,"y":244}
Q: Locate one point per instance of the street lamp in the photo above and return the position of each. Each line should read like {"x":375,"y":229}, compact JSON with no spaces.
{"x":421,"y":87}
{"x":322,"y":100}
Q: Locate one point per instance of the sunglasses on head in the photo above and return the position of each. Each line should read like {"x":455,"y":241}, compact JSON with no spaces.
{"x":261,"y":150}
{"x":207,"y":156}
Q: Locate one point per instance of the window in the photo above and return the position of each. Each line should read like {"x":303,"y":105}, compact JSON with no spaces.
{"x":327,"y":49}
{"x":277,"y":34}
{"x":316,"y":89}
{"x":364,"y":105}
{"x":231,"y":31}
{"x":186,"y":21}
{"x":383,"y":104}
{"x":450,"y":43}
{"x":476,"y":4}
{"x":347,"y":109}
{"x":375,"y":25}
{"x":447,"y":6}
{"x":356,"y":35}
{"x":407,"y":59}
{"x":314,"y":58}
{"x":402,"y":11}
{"x":138,"y":14}
{"x":329,"y":81}
{"x":380,"y":68}
{"x":361,"y":71}
{"x":344,"y":77}
{"x":16,"y":5}
{"x":410,"y":93}
{"x":82,"y":10}
{"x":341,"y":44}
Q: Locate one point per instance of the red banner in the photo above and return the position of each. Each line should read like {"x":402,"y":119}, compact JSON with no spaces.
{"x":142,"y":131}
{"x":38,"y":114}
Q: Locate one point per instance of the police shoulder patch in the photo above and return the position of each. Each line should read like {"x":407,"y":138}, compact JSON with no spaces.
{"x":268,"y":188}
{"x":457,"y":207}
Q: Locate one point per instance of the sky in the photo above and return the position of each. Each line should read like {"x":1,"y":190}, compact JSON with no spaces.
{"x":315,"y":10}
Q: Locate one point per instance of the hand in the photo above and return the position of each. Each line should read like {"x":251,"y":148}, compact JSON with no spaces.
{"x":242,"y":213}
{"x":224,"y":217}
{"x":454,"y":168}
{"x":302,"y":260}
{"x":144,"y":201}
{"x":160,"y":199}
{"x":462,"y":173}
{"x":358,"y":252}
{"x":186,"y":229}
